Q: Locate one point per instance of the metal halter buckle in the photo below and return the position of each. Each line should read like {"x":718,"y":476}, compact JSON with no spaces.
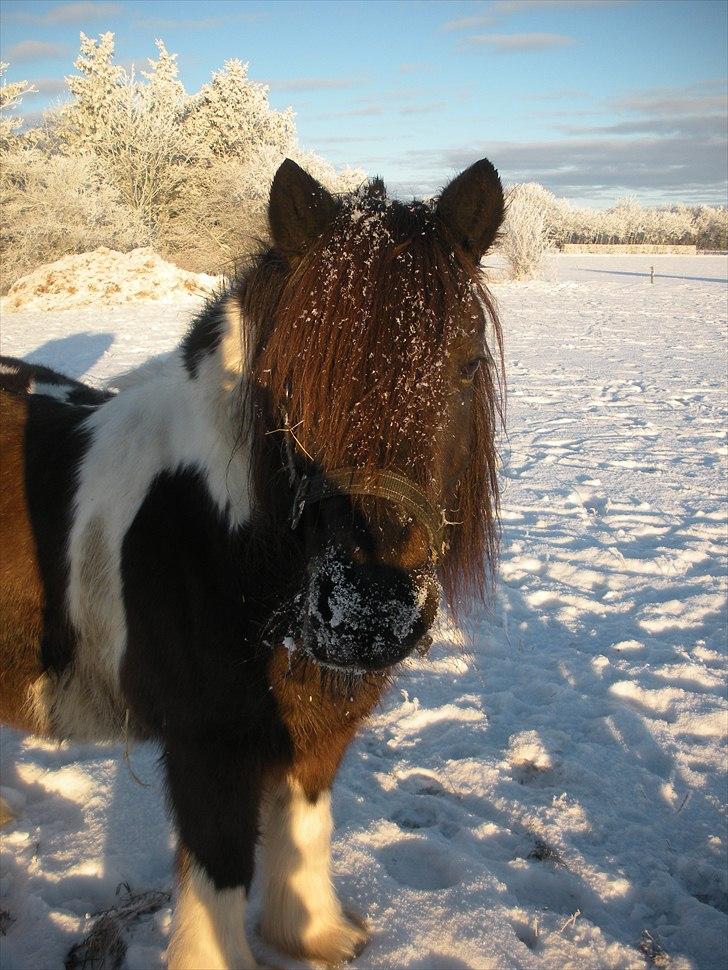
{"x":299,"y":500}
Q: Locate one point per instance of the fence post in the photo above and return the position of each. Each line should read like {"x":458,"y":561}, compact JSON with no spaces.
{"x":652,"y":274}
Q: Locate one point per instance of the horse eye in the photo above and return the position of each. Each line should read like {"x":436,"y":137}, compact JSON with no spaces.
{"x":469,"y":370}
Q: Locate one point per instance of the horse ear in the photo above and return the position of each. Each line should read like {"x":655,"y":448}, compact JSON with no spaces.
{"x":472,"y":209}
{"x":299,"y":209}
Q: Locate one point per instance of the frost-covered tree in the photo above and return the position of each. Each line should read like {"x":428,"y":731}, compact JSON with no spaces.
{"x":627,"y":222}
{"x":131,"y":126}
{"x":222,"y":208}
{"x":526,"y":235}
{"x":231,"y":116}
{"x":163,"y":92}
{"x":85,"y":124}
{"x":711,"y":227}
{"x":11,"y":94}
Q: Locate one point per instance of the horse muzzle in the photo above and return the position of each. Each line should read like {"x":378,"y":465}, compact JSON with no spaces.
{"x":365,"y":617}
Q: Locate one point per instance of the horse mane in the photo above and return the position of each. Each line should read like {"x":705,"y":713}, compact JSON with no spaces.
{"x":353,"y":337}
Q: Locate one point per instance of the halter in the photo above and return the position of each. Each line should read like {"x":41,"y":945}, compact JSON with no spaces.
{"x":379,"y":483}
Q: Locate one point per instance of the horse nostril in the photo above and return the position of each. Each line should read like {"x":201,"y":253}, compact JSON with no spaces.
{"x":325,"y":591}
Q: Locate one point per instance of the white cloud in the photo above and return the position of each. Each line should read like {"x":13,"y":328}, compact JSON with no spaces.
{"x":677,"y":165}
{"x":500,"y":9}
{"x":67,"y":13}
{"x":661,"y":144}
{"x":48,"y":86}
{"x":514,"y":43}
{"x":315,"y":83}
{"x":34,"y":50}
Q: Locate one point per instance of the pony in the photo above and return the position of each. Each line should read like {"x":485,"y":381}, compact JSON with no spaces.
{"x":232,"y":557}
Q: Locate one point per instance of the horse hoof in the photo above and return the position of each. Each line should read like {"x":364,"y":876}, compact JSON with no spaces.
{"x":333,"y":941}
{"x":361,"y":925}
{"x":340,"y":943}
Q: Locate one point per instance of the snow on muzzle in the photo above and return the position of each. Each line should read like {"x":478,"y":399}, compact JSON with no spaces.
{"x":365,"y":617}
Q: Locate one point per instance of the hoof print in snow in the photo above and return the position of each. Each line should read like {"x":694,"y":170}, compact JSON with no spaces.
{"x":419,"y":865}
{"x":415,"y":817}
{"x":528,"y":757}
{"x":423,"y":784}
{"x":524,"y":774}
{"x":714,"y":897}
{"x":705,"y":882}
{"x":527,"y":934}
{"x":717,"y":899}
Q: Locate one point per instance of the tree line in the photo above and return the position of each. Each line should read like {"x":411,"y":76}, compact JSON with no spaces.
{"x":135,"y":160}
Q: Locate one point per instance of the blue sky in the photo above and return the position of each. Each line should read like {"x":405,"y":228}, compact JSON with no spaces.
{"x":595,"y":100}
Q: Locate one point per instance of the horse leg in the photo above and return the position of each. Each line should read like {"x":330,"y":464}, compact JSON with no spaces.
{"x":215,"y":800}
{"x":302,"y":915}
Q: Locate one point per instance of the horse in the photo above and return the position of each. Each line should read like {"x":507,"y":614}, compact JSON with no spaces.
{"x":233,"y":557}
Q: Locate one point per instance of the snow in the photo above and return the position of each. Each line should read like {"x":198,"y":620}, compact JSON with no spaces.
{"x":104,"y":277}
{"x":355,"y":611}
{"x":547,"y":787}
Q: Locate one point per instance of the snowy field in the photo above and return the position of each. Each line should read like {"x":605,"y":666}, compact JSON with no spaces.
{"x":547,"y":789}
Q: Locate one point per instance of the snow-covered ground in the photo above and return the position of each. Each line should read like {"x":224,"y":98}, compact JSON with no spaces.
{"x":547,"y":788}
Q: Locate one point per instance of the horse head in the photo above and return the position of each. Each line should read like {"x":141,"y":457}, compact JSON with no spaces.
{"x":376,"y":379}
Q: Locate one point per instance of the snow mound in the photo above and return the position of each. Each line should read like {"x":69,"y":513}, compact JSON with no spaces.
{"x":105,"y":277}
{"x":526,"y":750}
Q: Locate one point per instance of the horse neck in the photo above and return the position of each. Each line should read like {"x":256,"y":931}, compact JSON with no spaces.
{"x":218,"y":402}
{"x":175,"y":417}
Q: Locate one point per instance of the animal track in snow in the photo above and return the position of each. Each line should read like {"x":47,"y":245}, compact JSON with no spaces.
{"x":420,"y":864}
{"x":681,"y":614}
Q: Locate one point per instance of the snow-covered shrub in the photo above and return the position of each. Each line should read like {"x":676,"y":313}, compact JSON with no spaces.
{"x":711,"y":228}
{"x":53,"y":206}
{"x":224,"y":209}
{"x":230,"y":116}
{"x":526,"y":235}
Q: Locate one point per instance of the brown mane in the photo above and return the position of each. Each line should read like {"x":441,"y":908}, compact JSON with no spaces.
{"x":359,"y":339}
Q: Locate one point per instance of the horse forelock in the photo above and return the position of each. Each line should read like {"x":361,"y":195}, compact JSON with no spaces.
{"x":353,"y":341}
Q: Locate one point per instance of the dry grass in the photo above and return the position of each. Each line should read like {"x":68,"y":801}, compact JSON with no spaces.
{"x":651,"y":947}
{"x":543,"y":852}
{"x":104,"y":947}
